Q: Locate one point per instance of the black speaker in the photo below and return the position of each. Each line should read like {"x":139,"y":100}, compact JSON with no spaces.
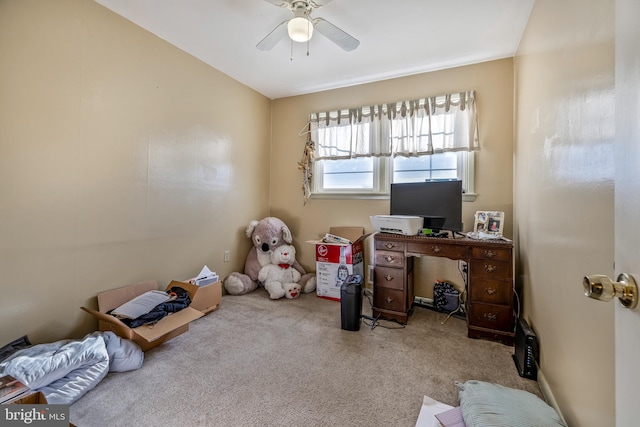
{"x":526,"y":351}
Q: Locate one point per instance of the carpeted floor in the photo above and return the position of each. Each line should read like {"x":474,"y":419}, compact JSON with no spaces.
{"x":258,"y":362}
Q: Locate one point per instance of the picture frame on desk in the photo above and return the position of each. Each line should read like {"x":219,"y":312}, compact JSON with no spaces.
{"x":489,"y":222}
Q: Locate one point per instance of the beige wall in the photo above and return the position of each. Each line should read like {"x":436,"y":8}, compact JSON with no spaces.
{"x":122,"y":159}
{"x":564,"y":199}
{"x":493,"y":83}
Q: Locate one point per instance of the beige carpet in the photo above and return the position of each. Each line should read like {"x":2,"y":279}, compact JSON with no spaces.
{"x":258,"y":362}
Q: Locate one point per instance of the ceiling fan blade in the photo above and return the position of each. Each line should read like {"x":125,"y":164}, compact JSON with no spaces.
{"x":288,"y":3}
{"x":281,"y":3}
{"x":277,"y":34}
{"x":317,"y":3}
{"x":335,"y":34}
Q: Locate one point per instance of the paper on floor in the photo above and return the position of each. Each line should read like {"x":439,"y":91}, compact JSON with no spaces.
{"x":427,"y":416}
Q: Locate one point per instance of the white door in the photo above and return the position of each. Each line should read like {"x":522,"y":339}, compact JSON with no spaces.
{"x":627,"y":207}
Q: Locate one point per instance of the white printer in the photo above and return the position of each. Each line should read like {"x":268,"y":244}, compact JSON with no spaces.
{"x":397,"y":224}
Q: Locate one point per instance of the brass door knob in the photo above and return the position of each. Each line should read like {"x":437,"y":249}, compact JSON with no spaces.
{"x":602,"y":288}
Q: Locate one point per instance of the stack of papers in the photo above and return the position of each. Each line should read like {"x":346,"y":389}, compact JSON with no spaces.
{"x":427,"y":416}
{"x":205,"y":277}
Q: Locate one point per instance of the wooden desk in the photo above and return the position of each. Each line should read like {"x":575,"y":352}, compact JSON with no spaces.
{"x":490,"y":297}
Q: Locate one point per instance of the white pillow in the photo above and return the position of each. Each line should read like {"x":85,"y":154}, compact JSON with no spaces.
{"x":486,"y":404}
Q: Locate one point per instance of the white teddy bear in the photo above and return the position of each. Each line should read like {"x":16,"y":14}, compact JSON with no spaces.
{"x":280,"y":278}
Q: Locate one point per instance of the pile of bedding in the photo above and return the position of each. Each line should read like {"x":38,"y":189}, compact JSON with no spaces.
{"x":65,"y":370}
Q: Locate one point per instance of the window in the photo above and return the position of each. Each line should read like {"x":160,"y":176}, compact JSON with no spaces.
{"x":360,"y":152}
{"x":423,"y":168}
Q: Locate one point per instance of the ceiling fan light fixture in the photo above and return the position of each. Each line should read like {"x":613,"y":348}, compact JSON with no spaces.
{"x":300,"y":29}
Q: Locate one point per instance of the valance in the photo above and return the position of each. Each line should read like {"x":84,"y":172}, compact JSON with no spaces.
{"x":406,"y":128}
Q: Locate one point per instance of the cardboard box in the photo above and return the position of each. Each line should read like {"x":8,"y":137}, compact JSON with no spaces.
{"x":36,"y":398}
{"x":146,"y":336}
{"x":336,"y":261}
{"x":207,"y":297}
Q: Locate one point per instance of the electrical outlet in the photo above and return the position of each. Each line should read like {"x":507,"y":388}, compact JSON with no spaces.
{"x":464,"y":267}
{"x":227,"y":256}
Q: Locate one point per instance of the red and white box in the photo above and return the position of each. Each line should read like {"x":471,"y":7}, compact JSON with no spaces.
{"x":336,"y":261}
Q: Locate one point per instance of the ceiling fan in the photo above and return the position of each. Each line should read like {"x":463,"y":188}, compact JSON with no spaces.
{"x":300,"y":27}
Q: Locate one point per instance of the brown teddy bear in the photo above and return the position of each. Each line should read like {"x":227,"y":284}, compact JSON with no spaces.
{"x":266,"y":235}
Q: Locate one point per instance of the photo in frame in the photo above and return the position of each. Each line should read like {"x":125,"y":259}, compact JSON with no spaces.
{"x":489,"y":222}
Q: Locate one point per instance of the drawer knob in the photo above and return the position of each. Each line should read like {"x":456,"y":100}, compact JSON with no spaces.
{"x":492,"y":317}
{"x":389,"y":258}
{"x":436,"y":249}
{"x":389,"y":245}
{"x":490,"y":291}
{"x":489,"y":253}
{"x":388,"y":277}
{"x":389,"y":300}
{"x":489,"y":268}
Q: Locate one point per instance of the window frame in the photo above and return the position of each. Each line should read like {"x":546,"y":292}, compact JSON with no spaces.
{"x":383,"y":131}
{"x":382,"y":177}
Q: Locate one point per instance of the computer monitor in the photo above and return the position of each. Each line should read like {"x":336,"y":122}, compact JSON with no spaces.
{"x":438,"y":202}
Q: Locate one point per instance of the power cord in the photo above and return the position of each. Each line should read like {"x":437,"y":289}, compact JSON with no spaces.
{"x":463,"y":268}
{"x":454,"y":311}
{"x":374,"y":322}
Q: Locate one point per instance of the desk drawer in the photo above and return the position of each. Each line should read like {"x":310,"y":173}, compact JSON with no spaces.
{"x":383,"y":245}
{"x":438,"y":249}
{"x":490,"y":268}
{"x":496,"y":254}
{"x":389,"y":259}
{"x":389,"y":277}
{"x":491,"y":291}
{"x":490,"y":316}
{"x":389,"y":299}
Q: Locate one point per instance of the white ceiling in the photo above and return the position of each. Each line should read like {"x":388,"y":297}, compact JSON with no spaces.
{"x":397,"y":38}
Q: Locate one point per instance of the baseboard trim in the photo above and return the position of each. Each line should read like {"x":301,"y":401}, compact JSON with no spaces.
{"x":548,"y":394}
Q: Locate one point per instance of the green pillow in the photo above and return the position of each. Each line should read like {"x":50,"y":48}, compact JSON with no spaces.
{"x":485,"y":404}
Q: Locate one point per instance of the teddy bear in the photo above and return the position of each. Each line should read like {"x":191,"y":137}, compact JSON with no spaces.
{"x":266,"y":235}
{"x":280,"y":278}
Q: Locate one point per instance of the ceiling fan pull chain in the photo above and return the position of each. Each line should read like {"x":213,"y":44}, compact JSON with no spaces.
{"x":291,"y":55}
{"x":308,"y":37}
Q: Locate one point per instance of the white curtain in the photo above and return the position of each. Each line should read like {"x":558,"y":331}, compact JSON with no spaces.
{"x":407,"y":128}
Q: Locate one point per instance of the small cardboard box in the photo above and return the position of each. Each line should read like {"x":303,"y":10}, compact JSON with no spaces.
{"x":146,"y":336}
{"x":336,"y":261}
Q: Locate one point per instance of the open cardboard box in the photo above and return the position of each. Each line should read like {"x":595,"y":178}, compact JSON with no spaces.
{"x":35,"y":398}
{"x":206,"y":298}
{"x":150,"y":336}
{"x":335,"y":261}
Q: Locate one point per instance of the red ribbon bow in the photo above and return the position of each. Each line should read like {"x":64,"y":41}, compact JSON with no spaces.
{"x":285,"y":266}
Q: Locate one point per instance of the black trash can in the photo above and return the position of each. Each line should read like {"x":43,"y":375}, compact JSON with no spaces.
{"x":351,"y":302}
